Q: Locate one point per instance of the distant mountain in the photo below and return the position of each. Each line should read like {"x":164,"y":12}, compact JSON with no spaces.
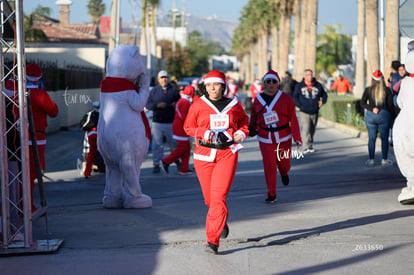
{"x":211,"y":28}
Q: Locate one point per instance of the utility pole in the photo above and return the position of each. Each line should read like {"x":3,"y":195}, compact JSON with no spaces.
{"x":148,"y":34}
{"x":114,"y":35}
{"x":174,"y":12}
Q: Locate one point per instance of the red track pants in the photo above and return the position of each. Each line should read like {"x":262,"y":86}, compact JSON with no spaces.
{"x":33,"y":174}
{"x":93,"y":146}
{"x":216,"y":179}
{"x":182,"y":151}
{"x":275,"y":155}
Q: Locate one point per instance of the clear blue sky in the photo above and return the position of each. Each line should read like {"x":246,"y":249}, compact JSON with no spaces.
{"x":331,"y":12}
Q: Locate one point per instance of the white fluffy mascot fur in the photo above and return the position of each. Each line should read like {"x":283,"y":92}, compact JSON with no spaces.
{"x":123,"y":129}
{"x":403,"y":132}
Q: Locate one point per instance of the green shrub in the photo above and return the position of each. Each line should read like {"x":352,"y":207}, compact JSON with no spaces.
{"x":345,"y":109}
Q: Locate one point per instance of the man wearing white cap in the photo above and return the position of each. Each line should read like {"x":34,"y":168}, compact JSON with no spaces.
{"x":309,"y":96}
{"x":162,"y":101}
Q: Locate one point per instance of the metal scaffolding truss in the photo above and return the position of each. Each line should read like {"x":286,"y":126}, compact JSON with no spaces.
{"x":15,"y":209}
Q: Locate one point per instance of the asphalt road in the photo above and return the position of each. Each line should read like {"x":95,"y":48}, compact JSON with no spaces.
{"x":337,"y":216}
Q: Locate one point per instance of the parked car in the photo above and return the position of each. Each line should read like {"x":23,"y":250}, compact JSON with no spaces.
{"x":181,"y":84}
{"x":189,"y":79}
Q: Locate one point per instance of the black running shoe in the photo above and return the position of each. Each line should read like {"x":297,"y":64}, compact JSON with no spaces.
{"x":211,"y":248}
{"x":178,"y":163}
{"x":271,"y":199}
{"x":285,"y":180}
{"x":225,"y":232}
{"x":156,"y":169}
{"x":165,"y":167}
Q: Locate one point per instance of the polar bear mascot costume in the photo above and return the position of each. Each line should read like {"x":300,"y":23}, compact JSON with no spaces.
{"x":403,"y":132}
{"x":123,"y":129}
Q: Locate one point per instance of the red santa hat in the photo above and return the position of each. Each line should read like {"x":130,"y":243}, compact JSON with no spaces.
{"x":215,"y":77}
{"x":33,"y":72}
{"x":188,"y":90}
{"x":271,"y":75}
{"x":257,"y":81}
{"x":10,"y":87}
{"x":377,"y":75}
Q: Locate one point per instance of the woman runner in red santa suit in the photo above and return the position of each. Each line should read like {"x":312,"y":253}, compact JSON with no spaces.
{"x":218,"y":124}
{"x":274,"y":117}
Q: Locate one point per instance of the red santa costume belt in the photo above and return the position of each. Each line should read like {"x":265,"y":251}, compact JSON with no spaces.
{"x":276,"y":129}
{"x":216,"y":146}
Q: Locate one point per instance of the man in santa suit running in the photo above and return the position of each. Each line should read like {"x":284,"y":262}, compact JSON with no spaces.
{"x":42,"y":107}
{"x":219,"y":124}
{"x":232,"y":89}
{"x":256,"y":88}
{"x":274,"y":117}
{"x":183,"y":149}
{"x":92,"y":139}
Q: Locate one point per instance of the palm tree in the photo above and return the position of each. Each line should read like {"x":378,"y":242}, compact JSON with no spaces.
{"x":144,"y":24}
{"x":264,"y":22}
{"x":300,"y":56}
{"x":360,"y":70}
{"x":276,"y":31}
{"x":312,"y":23}
{"x":286,"y":10}
{"x":96,"y":9}
{"x":333,"y":49}
{"x":33,"y":34}
{"x":250,"y":38}
{"x":372,"y":36}
{"x":153,"y":23}
{"x":44,"y":11}
{"x":392,"y":35}
{"x":297,"y":50}
{"x":275,"y":59}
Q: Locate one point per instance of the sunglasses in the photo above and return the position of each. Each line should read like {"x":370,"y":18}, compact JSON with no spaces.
{"x":271,"y":81}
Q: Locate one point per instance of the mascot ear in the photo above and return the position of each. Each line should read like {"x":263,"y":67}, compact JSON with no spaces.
{"x":409,"y":58}
{"x":125,"y":62}
{"x":409,"y":61}
{"x":139,"y":64}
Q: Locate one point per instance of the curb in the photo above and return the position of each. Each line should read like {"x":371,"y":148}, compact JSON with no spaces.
{"x":349,"y":130}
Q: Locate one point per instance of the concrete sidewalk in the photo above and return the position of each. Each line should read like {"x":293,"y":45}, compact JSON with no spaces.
{"x":336,"y":217}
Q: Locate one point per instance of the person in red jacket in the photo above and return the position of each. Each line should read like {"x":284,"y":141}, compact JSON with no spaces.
{"x":42,"y":107}
{"x":274,"y":117}
{"x":183,"y":149}
{"x":218,"y":124}
{"x":232,"y":89}
{"x":256,"y":88}
{"x":341,"y":85}
{"x":92,"y":138}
